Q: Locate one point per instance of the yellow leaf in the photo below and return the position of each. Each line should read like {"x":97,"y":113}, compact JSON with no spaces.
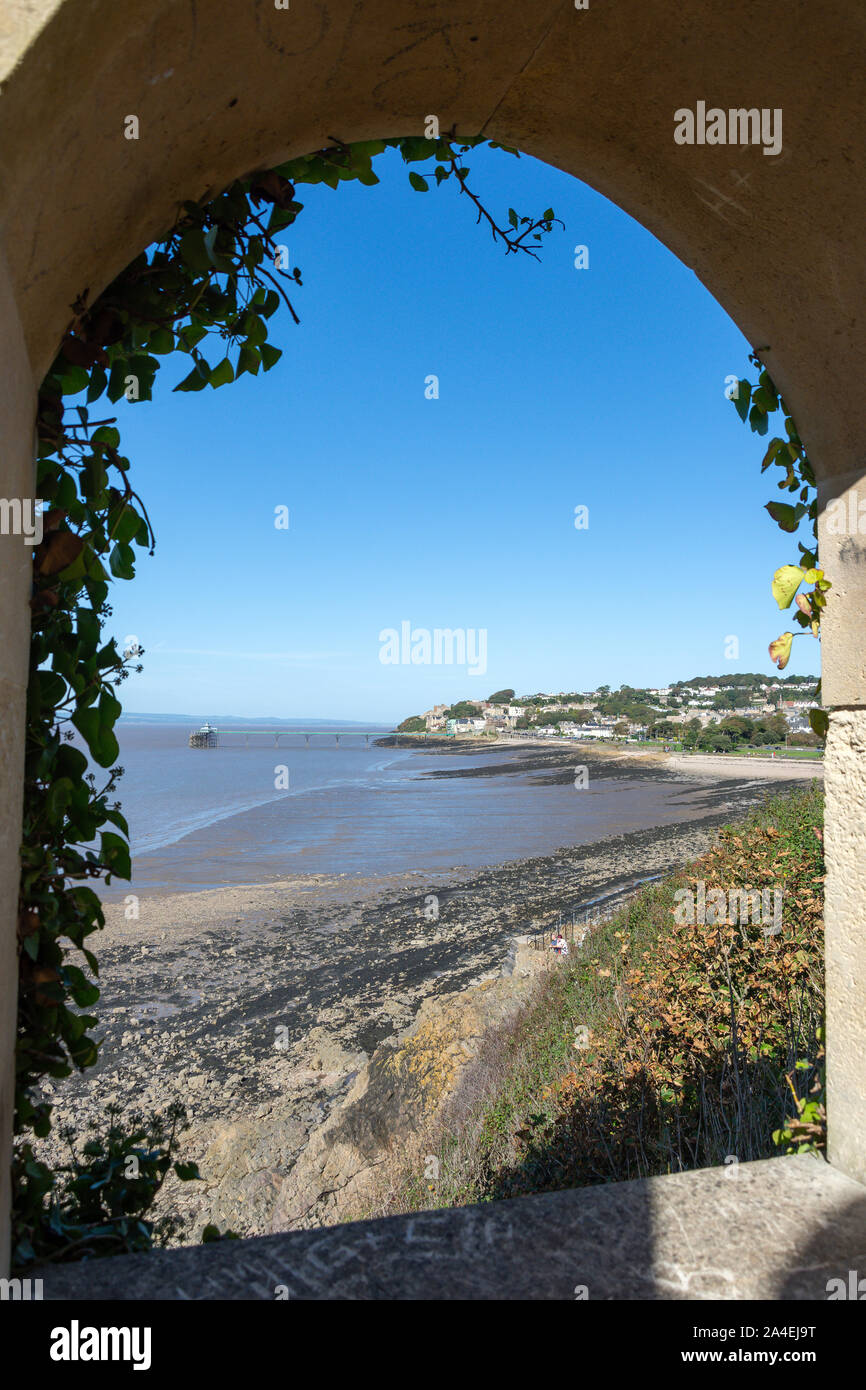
{"x":780,"y":650}
{"x":786,"y":582}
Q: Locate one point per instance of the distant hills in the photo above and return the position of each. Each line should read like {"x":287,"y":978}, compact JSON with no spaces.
{"x":267,"y":722}
{"x":746,"y":678}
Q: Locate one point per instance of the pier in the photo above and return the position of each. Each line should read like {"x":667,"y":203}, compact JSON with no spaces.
{"x":208,"y":736}
{"x":205,"y":737}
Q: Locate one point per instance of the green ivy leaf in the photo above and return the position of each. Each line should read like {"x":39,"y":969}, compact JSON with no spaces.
{"x":193,"y":250}
{"x":191,"y":335}
{"x":124,"y":523}
{"x":161,"y":341}
{"x":197,"y":379}
{"x":59,"y":797}
{"x":415,"y":148}
{"x":222,"y":374}
{"x":270,"y":355}
{"x":115,"y":854}
{"x":117,"y":378}
{"x":248,"y":360}
{"x":106,"y":434}
{"x":783,"y":515}
{"x":117,"y":818}
{"x":74,"y":379}
{"x":98,"y":383}
{"x":121,"y":561}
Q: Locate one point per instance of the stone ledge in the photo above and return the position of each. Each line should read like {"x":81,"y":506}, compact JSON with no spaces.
{"x":776,"y":1229}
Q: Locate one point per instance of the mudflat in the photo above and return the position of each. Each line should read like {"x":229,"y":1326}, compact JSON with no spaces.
{"x":258,"y":1006}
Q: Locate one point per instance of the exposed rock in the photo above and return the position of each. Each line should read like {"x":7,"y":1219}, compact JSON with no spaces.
{"x":404,"y":1085}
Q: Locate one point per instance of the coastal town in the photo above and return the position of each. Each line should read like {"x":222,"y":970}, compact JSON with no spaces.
{"x":714,"y":713}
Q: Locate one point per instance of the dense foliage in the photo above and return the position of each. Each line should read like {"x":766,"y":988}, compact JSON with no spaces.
{"x":754,"y":679}
{"x":413,"y":725}
{"x":666,"y":1042}
{"x":709,"y":1026}
{"x":738,"y":732}
{"x":101,"y":1197}
{"x":463,"y":709}
{"x":532,"y":720}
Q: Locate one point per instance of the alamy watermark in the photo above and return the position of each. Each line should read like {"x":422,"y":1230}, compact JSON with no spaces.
{"x":444,"y":646}
{"x":853,"y":1288}
{"x":77,"y":1343}
{"x":846,"y":515}
{"x":736,"y":126}
{"x":716,"y":905}
{"x":20,"y":1290}
{"x":22,"y":516}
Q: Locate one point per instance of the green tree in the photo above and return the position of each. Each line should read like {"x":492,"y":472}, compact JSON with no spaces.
{"x":664,"y":728}
{"x":691,"y":732}
{"x":464,"y":709}
{"x":502,"y":697}
{"x":413,"y":725}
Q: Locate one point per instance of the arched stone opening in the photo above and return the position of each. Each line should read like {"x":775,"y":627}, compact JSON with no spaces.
{"x":221,"y":88}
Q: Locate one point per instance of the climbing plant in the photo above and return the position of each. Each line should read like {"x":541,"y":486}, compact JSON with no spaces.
{"x":755,"y":404}
{"x":208,"y":289}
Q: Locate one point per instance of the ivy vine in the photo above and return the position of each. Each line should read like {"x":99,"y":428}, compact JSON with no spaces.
{"x":755,"y":404}
{"x":213,"y":281}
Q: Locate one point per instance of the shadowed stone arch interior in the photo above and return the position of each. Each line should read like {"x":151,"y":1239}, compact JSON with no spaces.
{"x":223,"y":86}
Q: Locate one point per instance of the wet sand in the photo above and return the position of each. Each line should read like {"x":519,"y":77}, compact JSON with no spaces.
{"x":771,"y":769}
{"x":236,"y":998}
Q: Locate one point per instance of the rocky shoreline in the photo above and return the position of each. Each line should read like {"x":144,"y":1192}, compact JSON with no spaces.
{"x":278,"y":1014}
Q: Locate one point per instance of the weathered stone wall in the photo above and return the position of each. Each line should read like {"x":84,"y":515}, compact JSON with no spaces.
{"x":17,"y":407}
{"x":777,"y":1229}
{"x":226,"y":85}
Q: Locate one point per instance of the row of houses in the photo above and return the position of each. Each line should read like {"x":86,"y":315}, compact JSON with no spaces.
{"x":571,"y":730}
{"x":503,"y":718}
{"x":493,"y":717}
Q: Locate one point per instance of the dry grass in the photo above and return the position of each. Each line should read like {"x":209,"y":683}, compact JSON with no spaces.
{"x":660,"y":1046}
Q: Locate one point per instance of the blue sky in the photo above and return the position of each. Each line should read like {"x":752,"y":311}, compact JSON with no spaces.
{"x":558,"y":388}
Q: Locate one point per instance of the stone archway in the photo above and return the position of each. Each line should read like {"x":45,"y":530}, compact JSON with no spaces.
{"x":227,"y":85}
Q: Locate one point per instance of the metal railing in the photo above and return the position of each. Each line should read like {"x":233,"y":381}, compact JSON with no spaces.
{"x":574,"y":929}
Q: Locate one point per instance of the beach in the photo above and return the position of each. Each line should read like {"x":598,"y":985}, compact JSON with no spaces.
{"x":260,"y":1006}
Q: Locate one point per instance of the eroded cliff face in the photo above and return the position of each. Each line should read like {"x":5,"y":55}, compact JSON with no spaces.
{"x":401,"y":1089}
{"x":258,"y":1180}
